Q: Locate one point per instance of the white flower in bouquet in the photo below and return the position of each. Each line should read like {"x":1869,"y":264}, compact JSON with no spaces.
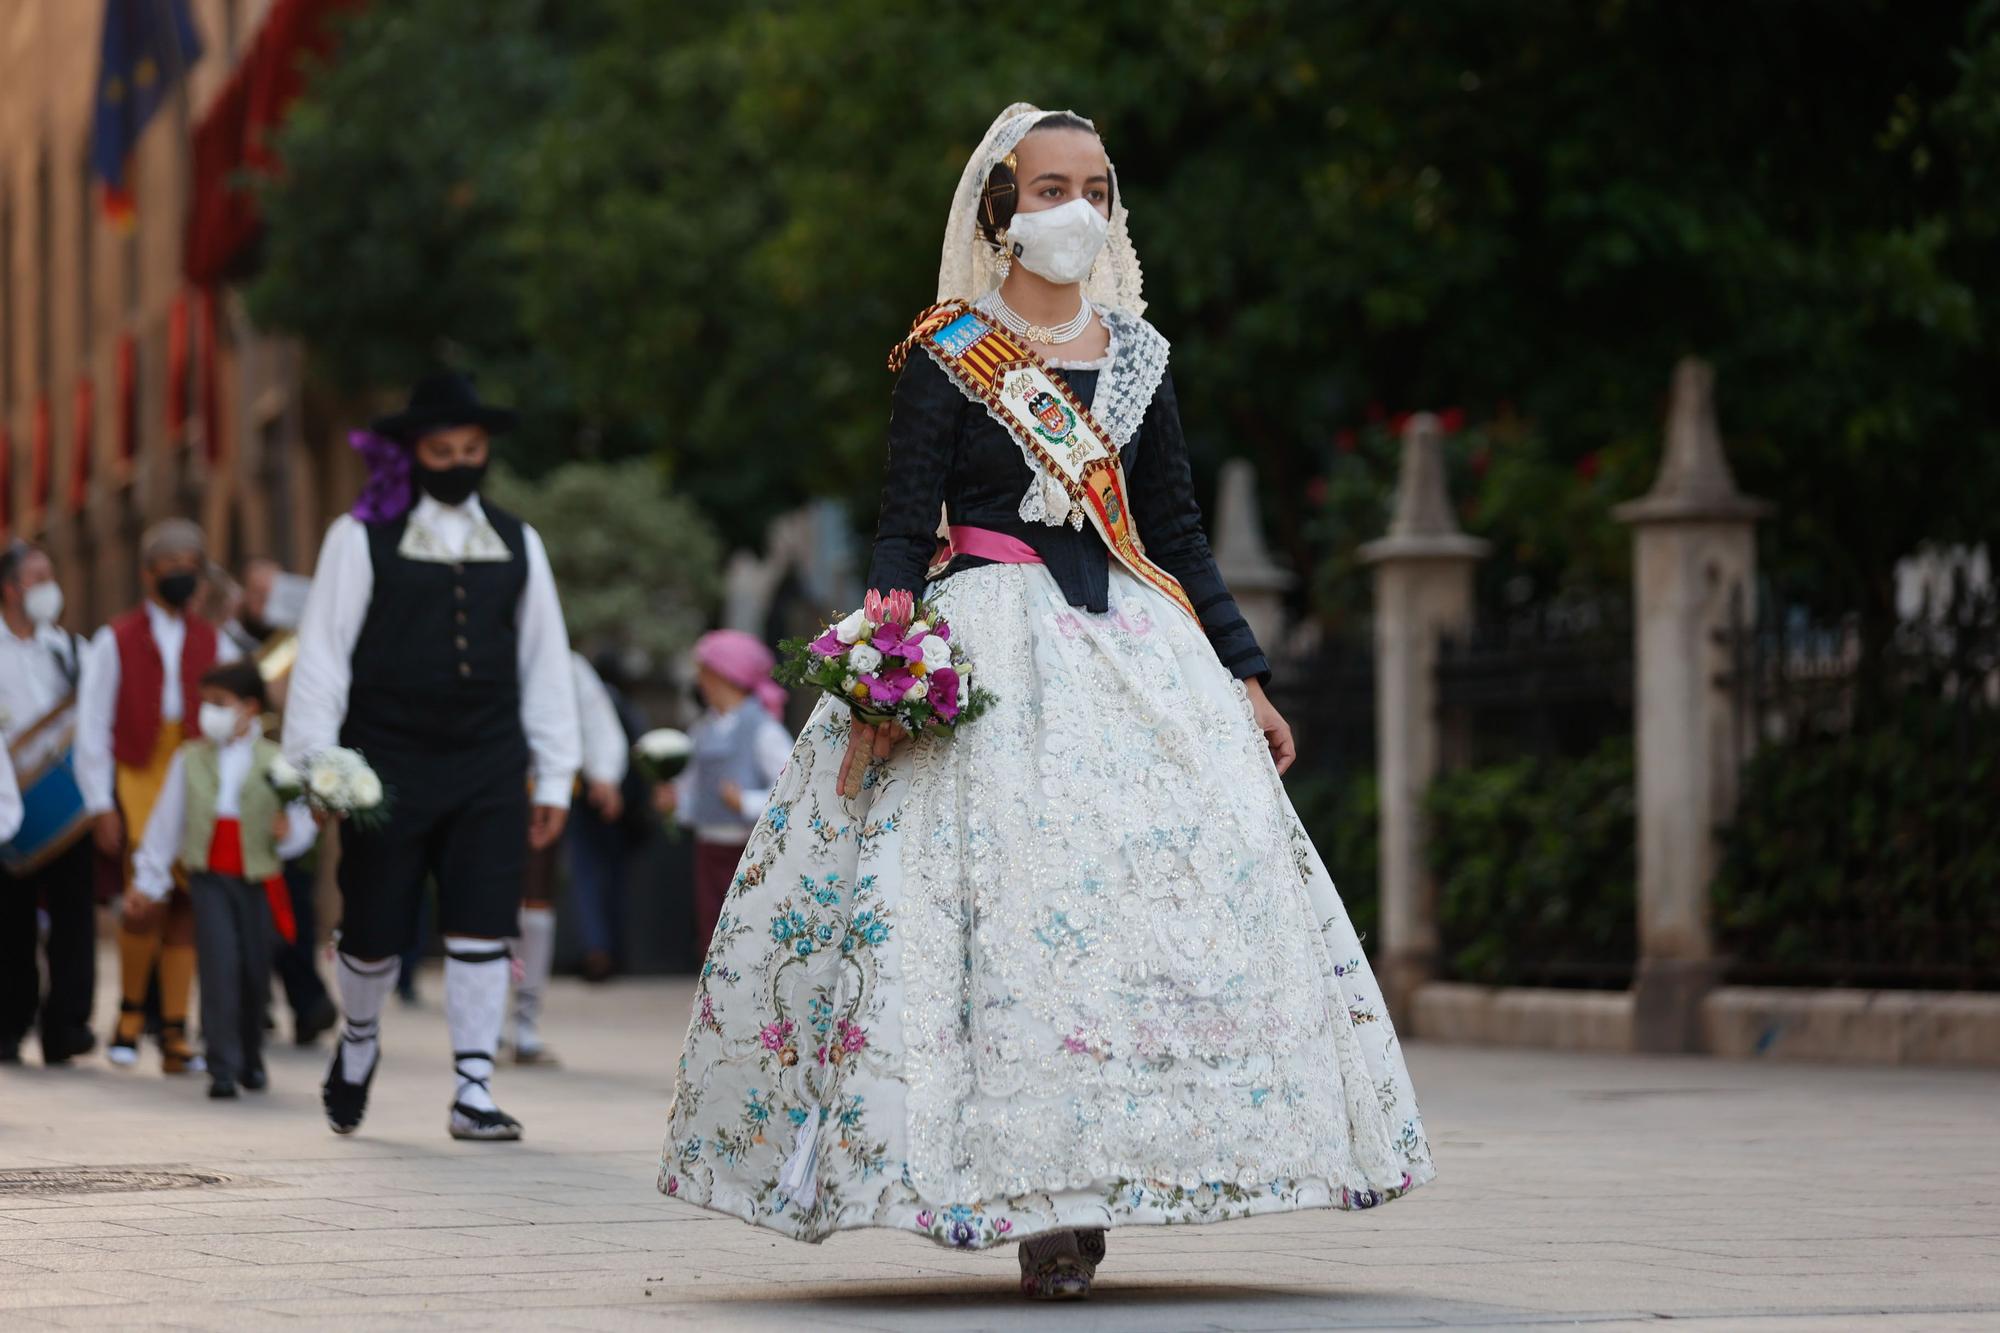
{"x":937,"y":652}
{"x":366,"y":789}
{"x":919,"y":628}
{"x":326,"y":781}
{"x":918,"y":691}
{"x":852,"y":629}
{"x":662,"y":753}
{"x":663,"y":743}
{"x":283,"y":776}
{"x":863,"y":657}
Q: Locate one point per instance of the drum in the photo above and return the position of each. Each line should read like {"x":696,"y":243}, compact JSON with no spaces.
{"x":53,"y":817}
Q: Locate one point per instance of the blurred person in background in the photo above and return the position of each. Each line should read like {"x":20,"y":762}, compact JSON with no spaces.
{"x":40,"y":663}
{"x":267,"y":635}
{"x":138,"y":698}
{"x":740,"y":747}
{"x":604,"y":833}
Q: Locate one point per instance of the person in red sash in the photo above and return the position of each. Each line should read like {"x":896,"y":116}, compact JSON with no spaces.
{"x":137,"y":700}
{"x":220,"y":821}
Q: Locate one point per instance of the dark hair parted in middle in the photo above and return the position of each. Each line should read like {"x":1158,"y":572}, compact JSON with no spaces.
{"x":241,"y":679}
{"x":1003,"y":189}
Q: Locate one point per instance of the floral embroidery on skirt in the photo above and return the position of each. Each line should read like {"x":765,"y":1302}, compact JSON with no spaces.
{"x":1078,"y":966}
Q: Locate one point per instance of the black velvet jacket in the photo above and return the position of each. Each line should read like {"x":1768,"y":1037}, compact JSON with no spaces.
{"x":946,"y":450}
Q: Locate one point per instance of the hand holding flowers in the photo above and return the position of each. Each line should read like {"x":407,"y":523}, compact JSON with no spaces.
{"x":335,"y":782}
{"x":894,"y":665}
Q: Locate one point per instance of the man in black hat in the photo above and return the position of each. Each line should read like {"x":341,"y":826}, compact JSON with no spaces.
{"x":432,"y":641}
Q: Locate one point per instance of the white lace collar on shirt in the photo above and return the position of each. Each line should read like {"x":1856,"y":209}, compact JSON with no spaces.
{"x":425,"y":536}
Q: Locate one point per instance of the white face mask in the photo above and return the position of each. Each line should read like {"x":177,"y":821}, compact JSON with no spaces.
{"x":43,"y":602}
{"x":218,"y":722}
{"x":1059,"y":243}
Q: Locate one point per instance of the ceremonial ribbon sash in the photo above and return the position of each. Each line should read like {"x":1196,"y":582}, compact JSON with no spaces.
{"x":1055,"y":428}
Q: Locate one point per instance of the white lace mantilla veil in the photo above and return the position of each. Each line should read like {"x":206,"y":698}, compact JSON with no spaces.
{"x":968,"y":268}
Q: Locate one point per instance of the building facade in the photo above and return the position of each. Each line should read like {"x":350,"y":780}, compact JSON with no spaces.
{"x":128,"y":393}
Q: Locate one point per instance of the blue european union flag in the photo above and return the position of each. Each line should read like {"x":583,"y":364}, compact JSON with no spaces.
{"x":147,"y":45}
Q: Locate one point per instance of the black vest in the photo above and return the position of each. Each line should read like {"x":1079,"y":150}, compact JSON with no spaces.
{"x":436,"y":666}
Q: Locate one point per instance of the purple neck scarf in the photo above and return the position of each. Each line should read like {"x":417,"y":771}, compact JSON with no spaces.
{"x":387,"y":494}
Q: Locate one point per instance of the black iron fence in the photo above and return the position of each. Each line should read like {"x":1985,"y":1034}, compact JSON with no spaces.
{"x":1866,"y":848}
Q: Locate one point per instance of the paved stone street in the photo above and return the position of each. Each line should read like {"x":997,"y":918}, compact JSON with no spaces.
{"x":1597,"y":1191}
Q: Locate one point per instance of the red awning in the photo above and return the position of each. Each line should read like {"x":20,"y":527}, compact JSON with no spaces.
{"x":234,"y":135}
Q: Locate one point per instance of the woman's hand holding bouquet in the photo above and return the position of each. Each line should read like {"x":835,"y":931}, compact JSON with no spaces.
{"x":895,"y":666}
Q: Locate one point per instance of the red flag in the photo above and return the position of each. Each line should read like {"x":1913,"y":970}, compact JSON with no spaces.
{"x":177,"y":369}
{"x":6,"y":481}
{"x":128,"y":405}
{"x":211,"y":376}
{"x":81,"y":445}
{"x":38,"y":464}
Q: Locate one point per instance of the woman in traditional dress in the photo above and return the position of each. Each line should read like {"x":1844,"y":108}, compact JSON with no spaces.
{"x":1077,"y":966}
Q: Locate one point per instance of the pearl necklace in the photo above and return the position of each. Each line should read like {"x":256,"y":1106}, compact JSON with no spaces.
{"x":1054,"y":335}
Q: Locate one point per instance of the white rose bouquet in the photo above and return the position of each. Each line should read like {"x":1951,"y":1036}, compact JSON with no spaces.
{"x":336,"y":781}
{"x":661,"y":754}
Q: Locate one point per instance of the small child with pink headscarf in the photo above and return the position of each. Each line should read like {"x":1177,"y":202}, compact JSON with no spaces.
{"x":740,"y":746}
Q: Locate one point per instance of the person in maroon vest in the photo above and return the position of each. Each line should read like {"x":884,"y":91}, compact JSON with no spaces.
{"x":137,"y":700}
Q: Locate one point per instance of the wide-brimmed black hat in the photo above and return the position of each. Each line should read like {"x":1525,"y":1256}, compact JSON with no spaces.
{"x":439,"y":401}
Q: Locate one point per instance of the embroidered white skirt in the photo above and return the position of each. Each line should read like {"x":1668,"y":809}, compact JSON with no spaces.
{"x":1076,"y":966}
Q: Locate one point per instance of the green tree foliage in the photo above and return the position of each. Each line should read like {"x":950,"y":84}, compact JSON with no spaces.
{"x":701,"y":227}
{"x":638,"y":567}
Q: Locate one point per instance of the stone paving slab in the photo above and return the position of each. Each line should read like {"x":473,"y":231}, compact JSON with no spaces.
{"x":1603,"y":1192}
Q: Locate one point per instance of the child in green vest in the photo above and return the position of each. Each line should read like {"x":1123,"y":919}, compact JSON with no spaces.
{"x":221,"y":823}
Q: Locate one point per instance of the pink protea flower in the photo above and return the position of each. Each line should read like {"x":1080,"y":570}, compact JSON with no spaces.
{"x":900,"y":607}
{"x":872,"y":607}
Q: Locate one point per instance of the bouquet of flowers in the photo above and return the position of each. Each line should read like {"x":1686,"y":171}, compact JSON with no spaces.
{"x":661,"y":754}
{"x":337,"y":781}
{"x":891,"y":661}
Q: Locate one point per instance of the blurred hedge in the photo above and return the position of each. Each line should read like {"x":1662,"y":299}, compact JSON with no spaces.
{"x":1536,"y":872}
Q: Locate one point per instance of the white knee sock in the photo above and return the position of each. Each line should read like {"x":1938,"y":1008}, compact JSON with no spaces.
{"x":363,"y":988}
{"x":537,"y":952}
{"x":475,"y":1005}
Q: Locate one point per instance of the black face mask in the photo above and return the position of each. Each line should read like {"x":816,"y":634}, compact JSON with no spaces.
{"x":177,"y":589}
{"x":450,"y":485}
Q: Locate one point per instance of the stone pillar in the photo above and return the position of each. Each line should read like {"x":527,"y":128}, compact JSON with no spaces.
{"x":1695,"y":548}
{"x":1423,"y":591}
{"x":1258,"y":582}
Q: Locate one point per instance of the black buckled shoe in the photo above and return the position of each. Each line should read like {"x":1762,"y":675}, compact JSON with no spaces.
{"x":495,"y":1126}
{"x":345,"y":1102}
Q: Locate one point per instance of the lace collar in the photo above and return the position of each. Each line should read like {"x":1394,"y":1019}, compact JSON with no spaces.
{"x":1129,"y":374}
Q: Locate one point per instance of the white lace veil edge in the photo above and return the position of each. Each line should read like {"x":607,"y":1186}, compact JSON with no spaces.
{"x":968,"y":268}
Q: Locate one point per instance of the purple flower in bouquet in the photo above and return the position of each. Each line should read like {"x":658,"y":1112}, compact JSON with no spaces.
{"x":944,"y":693}
{"x":897,"y":642}
{"x":828,"y":645}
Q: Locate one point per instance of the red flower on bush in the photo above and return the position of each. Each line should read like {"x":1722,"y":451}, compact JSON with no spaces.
{"x":1397,"y":422}
{"x":1590,"y":465}
{"x":1452,"y":420}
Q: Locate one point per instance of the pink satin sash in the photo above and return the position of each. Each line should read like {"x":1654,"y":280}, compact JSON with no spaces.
{"x":986,"y":544}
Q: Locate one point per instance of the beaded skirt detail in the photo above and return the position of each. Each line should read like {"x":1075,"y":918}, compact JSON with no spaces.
{"x":1078,"y":966}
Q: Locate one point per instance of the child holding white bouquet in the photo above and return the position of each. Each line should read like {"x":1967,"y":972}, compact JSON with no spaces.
{"x":223,"y":822}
